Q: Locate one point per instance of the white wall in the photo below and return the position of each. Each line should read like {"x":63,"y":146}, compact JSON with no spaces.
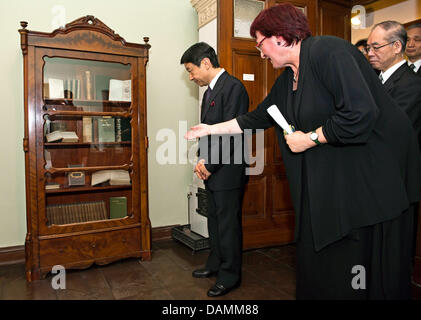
{"x":401,"y":11}
{"x":172,"y":27}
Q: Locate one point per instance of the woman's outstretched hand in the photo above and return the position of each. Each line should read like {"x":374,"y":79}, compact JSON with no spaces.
{"x":198,"y":131}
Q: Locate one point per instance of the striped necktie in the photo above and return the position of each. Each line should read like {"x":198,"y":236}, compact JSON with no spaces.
{"x":412,"y":66}
{"x":381,"y":77}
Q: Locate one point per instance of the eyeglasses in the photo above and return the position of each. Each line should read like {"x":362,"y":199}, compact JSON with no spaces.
{"x":259,"y":45}
{"x":375,"y":49}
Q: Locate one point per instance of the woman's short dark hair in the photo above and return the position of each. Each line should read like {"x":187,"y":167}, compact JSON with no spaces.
{"x":282,"y":20}
{"x":197,"y":52}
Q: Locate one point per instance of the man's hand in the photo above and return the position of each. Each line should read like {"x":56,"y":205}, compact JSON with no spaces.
{"x":201,"y":171}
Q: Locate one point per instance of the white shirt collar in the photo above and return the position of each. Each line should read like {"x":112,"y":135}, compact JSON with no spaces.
{"x":416,"y":63}
{"x":386,"y":75}
{"x":213,"y":82}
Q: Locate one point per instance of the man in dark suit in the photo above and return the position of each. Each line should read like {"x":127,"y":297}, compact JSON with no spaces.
{"x":386,"y":45}
{"x":221,"y":166}
{"x":413,"y":47}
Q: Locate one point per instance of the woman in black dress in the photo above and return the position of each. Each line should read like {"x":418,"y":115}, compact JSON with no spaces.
{"x":353,"y":164}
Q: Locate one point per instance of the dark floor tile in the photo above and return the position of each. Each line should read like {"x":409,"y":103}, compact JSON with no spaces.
{"x":274,"y":275}
{"x":252,"y":288}
{"x":156,"y":294}
{"x":129,"y":278}
{"x":88,"y":284}
{"x":183,"y":256}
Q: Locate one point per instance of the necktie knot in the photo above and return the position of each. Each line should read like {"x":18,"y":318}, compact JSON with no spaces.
{"x":381,"y":77}
{"x":412,"y":66}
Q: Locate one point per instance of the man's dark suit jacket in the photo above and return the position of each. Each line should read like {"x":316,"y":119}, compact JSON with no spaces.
{"x":404,"y":86}
{"x":227,"y":100}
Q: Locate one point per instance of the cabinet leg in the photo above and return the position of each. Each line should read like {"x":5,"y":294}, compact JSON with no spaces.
{"x":146,"y":255}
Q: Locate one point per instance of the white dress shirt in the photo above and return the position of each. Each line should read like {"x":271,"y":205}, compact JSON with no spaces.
{"x":386,"y":75}
{"x":417,"y":64}
{"x":213,"y":82}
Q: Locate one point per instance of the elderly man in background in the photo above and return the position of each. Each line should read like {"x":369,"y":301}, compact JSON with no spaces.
{"x":385,"y":47}
{"x":413,"y":47}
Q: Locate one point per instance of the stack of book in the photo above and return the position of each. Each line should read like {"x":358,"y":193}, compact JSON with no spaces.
{"x":76,"y":212}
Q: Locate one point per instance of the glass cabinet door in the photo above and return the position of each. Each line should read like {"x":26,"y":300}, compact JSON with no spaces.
{"x":87,"y":140}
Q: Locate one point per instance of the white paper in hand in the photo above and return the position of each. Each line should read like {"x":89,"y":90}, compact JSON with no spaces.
{"x":279,"y":118}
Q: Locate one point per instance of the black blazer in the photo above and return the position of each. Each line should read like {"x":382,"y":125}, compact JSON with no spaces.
{"x":227,"y":100}
{"x":404,"y":86}
{"x":369,"y":171}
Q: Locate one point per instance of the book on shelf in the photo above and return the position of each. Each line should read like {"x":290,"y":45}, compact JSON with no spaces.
{"x":52,"y":186}
{"x":118,"y":207}
{"x":89,"y":89}
{"x":123,"y":129}
{"x":106,"y":129}
{"x":87,"y":129}
{"x":72,"y":89}
{"x":114,"y":177}
{"x":63,"y":136}
{"x":55,"y":88}
{"x":120,"y":90}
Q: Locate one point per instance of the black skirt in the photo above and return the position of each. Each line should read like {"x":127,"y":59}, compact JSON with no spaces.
{"x":372,"y":262}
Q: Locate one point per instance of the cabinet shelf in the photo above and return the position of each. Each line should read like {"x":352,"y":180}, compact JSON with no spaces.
{"x":84,"y":144}
{"x":53,"y":113}
{"x":67,"y":189}
{"x":79,"y":102}
{"x":88,"y":169}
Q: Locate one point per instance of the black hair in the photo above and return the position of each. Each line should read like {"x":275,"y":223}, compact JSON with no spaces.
{"x":197,"y":52}
{"x":413,"y":26}
{"x":362,"y":42}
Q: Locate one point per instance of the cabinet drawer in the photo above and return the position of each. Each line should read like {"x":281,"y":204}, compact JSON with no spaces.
{"x":117,"y":243}
{"x":66,"y":250}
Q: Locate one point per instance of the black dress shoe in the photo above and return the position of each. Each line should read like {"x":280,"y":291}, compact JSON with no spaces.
{"x":203,"y":273}
{"x":219,"y":290}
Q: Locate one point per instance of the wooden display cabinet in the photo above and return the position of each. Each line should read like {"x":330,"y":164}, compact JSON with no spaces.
{"x":86,"y":196}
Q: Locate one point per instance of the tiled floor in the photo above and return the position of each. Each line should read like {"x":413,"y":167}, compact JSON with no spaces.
{"x":268,"y":274}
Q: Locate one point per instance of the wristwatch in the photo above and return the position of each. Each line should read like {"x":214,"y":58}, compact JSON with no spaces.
{"x":315,"y":137}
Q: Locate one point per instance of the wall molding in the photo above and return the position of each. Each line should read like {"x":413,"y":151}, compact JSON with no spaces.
{"x":12,"y":255}
{"x":206,"y":10}
{"x":16,"y":254}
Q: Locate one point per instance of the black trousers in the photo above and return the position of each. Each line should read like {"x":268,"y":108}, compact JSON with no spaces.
{"x":373,"y":262}
{"x":225,"y":235}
